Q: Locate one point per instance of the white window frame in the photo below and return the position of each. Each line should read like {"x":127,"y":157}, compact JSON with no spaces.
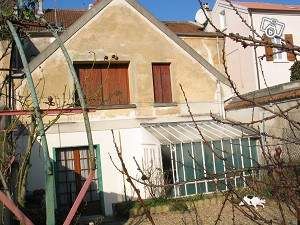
{"x":278,"y":55}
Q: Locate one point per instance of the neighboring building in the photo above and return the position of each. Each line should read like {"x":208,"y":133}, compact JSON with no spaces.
{"x":279,"y":101}
{"x":243,"y":63}
{"x":137,"y":94}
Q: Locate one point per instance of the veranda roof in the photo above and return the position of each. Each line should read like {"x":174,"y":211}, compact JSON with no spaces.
{"x":185,"y":132}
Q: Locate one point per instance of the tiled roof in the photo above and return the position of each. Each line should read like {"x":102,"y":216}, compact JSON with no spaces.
{"x":183,"y":26}
{"x":269,"y":6}
{"x":278,"y":93}
{"x":66,"y":17}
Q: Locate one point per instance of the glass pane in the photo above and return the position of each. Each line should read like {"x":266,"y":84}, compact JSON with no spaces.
{"x":218,"y":159}
{"x":237,"y":154}
{"x":179,"y":162}
{"x":71,"y":176}
{"x":201,"y":188}
{"x":254,"y":152}
{"x":208,"y":159}
{"x":198,"y":160}
{"x":84,"y":163}
{"x":188,"y":162}
{"x":61,"y":155}
{"x":70,"y":164}
{"x":83,"y":154}
{"x":211,"y":186}
{"x":61,"y":177}
{"x":221,"y":185}
{"x":190,"y":189}
{"x":227,"y":154}
{"x":63,"y":199}
{"x":62,"y":188}
{"x":246,"y":154}
{"x":69,"y":154}
{"x":240,"y":182}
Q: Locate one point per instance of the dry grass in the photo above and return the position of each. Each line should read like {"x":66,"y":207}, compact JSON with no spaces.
{"x":207,"y":213}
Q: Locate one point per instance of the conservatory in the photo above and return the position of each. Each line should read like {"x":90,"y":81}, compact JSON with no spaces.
{"x":222,"y":157}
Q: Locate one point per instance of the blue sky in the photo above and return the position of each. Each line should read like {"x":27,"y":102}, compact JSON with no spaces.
{"x":162,"y":9}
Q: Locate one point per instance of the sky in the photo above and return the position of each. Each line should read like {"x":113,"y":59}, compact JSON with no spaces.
{"x":162,"y":9}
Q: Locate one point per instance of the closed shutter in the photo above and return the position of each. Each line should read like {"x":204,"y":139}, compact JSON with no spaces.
{"x":103,"y":85}
{"x":115,"y":85}
{"x":289,"y":42}
{"x":90,"y":80}
{"x":268,"y":50}
{"x":157,"y":83}
{"x":162,"y":82}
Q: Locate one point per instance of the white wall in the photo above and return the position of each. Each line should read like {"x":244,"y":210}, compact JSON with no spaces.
{"x":241,"y":62}
{"x":133,"y":142}
{"x":277,"y":72}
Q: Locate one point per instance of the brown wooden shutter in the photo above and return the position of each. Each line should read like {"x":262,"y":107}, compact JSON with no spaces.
{"x":115,"y":85}
{"x":157,"y":83}
{"x":289,"y":42}
{"x":166,"y":83}
{"x":268,"y":50}
{"x":90,"y":80}
{"x":162,"y":82}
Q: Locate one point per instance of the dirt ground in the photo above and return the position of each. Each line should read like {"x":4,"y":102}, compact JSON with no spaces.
{"x":207,"y":213}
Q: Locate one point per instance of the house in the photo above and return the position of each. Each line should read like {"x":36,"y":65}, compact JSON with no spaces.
{"x":276,"y":108}
{"x":274,"y":20}
{"x":130,"y":66}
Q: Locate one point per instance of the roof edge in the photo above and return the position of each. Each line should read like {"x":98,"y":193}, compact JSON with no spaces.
{"x":97,"y":8}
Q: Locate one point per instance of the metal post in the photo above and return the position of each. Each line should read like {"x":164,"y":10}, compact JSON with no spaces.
{"x":40,"y":126}
{"x":81,"y":99}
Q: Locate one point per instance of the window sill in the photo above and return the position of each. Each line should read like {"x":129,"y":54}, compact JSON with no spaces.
{"x":165,"y":104}
{"x":108,"y":107}
{"x":281,"y":61}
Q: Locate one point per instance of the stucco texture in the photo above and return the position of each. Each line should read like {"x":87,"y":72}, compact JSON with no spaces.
{"x":120,"y":29}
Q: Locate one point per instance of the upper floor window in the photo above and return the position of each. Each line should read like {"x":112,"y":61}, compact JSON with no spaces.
{"x":162,"y":82}
{"x":223,"y":24}
{"x":276,"y":54}
{"x":104,"y":84}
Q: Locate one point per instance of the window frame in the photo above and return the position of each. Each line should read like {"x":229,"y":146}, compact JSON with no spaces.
{"x":277,"y":52}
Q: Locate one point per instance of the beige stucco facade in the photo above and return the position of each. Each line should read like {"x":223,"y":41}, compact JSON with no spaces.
{"x":141,"y":43}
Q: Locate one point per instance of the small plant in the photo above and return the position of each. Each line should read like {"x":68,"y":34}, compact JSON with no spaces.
{"x":295,"y":71}
{"x":179,"y":205}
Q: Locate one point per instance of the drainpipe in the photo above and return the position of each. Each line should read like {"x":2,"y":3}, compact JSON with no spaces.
{"x":220,"y":100}
{"x":255,"y":53}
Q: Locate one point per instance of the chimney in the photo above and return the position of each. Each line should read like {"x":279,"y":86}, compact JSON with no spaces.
{"x":91,"y":6}
{"x":206,"y":6}
{"x":40,"y":8}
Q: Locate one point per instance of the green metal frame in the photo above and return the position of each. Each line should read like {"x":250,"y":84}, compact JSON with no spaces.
{"x":49,"y":179}
{"x":98,"y":171}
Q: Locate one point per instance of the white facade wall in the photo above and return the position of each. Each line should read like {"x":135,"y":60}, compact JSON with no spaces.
{"x":277,"y":72}
{"x":134,"y":142}
{"x":242,"y":63}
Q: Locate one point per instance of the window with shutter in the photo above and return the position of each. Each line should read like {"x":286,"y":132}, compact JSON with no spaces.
{"x":104,"y":84}
{"x":161,"y":82}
